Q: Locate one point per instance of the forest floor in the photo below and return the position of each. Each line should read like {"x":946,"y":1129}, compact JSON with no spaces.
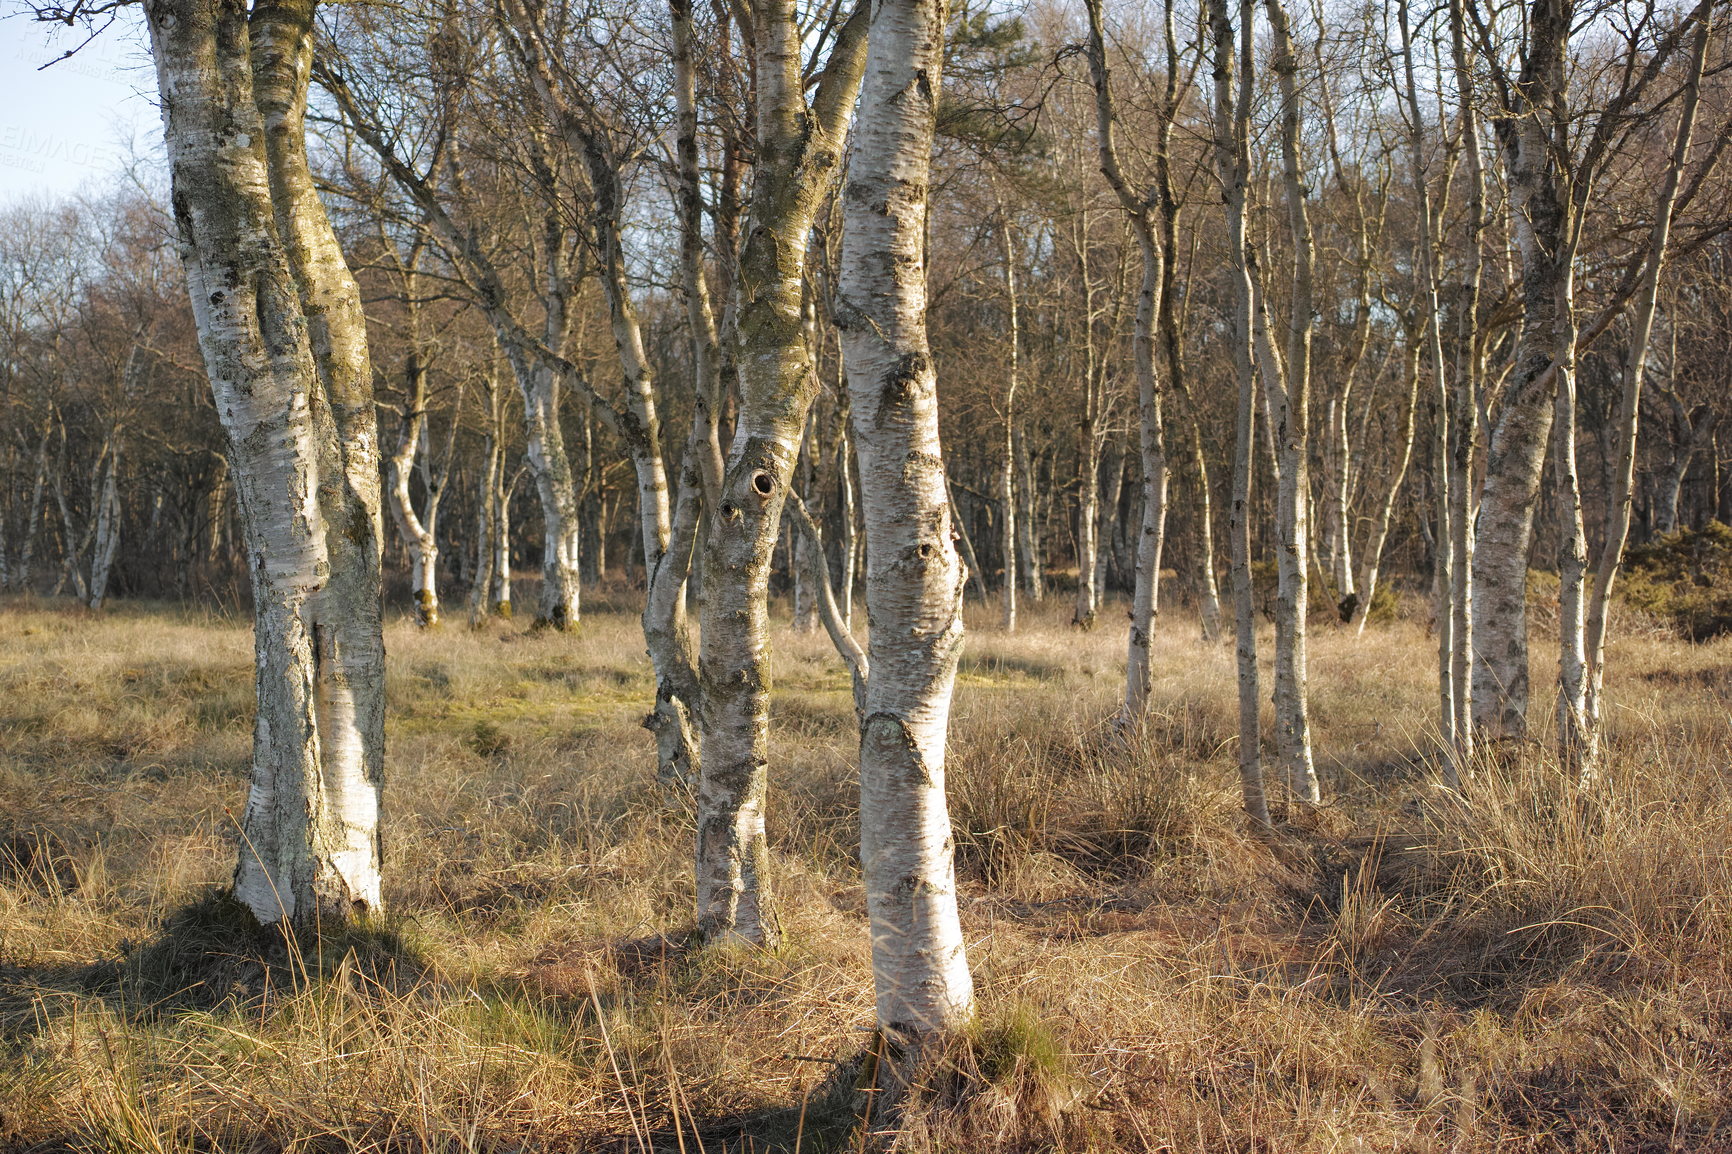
{"x":1518,"y":968}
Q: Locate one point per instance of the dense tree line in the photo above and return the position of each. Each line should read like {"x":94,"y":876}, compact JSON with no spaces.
{"x":676,"y":301}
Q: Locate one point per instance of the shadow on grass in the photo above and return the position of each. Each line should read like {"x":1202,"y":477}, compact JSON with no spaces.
{"x":210,"y":954}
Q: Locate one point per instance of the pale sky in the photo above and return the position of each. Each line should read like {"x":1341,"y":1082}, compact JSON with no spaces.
{"x":80,"y":123}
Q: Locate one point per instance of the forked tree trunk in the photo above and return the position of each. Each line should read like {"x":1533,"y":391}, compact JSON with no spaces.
{"x":295,"y":397}
{"x":914,"y":578}
{"x":1141,"y":212}
{"x":799,"y":155}
{"x":1515,"y":453}
{"x":559,"y":605}
{"x":1371,"y":558}
{"x":417,"y":532}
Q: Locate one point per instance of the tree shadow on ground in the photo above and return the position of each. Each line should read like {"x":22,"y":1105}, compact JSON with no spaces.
{"x":210,"y":954}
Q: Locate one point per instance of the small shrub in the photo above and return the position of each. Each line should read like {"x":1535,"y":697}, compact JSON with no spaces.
{"x":1684,"y":578}
{"x":488,"y":740}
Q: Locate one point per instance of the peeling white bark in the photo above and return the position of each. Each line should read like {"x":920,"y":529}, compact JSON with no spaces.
{"x":278,"y":321}
{"x":914,"y":578}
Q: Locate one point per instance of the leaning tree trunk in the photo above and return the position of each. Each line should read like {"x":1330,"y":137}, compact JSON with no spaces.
{"x":295,"y":398}
{"x":417,"y":534}
{"x":1371,"y":559}
{"x":1620,"y":498}
{"x":914,"y":578}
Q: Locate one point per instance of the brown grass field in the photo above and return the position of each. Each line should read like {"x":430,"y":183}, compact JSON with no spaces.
{"x":1522,"y":968}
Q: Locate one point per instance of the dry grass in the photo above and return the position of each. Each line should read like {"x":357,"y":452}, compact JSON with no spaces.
{"x":1523,"y":968}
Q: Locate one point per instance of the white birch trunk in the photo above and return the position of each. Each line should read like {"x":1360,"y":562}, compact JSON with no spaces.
{"x":1087,"y":522}
{"x":310,"y":846}
{"x":1007,"y":521}
{"x":1151,"y":533}
{"x":1291,"y":400}
{"x":799,"y":156}
{"x":418,"y":538}
{"x":1515,"y":452}
{"x":1029,"y":557}
{"x":1589,"y":742}
{"x":1371,"y":557}
{"x":349,"y":650}
{"x":106,"y":542}
{"x":1232,"y":102}
{"x":914,"y":578}
{"x":1464,"y":404}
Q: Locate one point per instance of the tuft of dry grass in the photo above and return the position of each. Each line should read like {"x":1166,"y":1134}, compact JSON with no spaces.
{"x":1520,"y":967}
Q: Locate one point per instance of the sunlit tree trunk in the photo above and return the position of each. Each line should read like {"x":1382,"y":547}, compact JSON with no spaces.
{"x":914,"y":578}
{"x":1464,"y":404}
{"x":1288,"y":379}
{"x":798,"y":159}
{"x":1589,"y":742}
{"x":280,"y":328}
{"x":1141,"y":211}
{"x":1371,"y":557}
{"x":1007,"y":521}
{"x":417,"y":531}
{"x":1515,"y":453}
{"x":1232,"y":111}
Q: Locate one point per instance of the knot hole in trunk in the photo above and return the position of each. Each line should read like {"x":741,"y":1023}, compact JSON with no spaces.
{"x":763,"y":484}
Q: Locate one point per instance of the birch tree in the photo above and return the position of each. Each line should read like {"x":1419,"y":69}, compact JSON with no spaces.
{"x":1231,"y":62}
{"x":914,"y":577}
{"x":1587,"y":742}
{"x":1152,"y":216}
{"x":284,"y":345}
{"x":1287,"y":380}
{"x":799,"y":155}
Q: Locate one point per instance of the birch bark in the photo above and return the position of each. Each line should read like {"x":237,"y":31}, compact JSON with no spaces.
{"x":1288,"y":378}
{"x":914,"y":578}
{"x":1231,"y":123}
{"x":276,"y":313}
{"x":1589,"y":742}
{"x":1515,"y":452}
{"x":1464,"y":402}
{"x":799,"y":156}
{"x":1140,"y":211}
